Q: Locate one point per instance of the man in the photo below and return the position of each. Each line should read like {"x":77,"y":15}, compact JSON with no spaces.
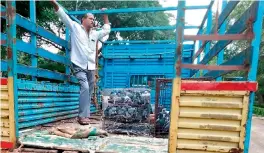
{"x":83,"y":55}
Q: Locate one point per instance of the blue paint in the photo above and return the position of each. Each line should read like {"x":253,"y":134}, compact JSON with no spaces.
{"x":139,"y":41}
{"x":238,"y":27}
{"x":220,"y":57}
{"x":67,"y":54}
{"x":34,"y":60}
{"x":45,"y":99}
{"x":134,"y":10}
{"x":3,"y":65}
{"x":252,"y":75}
{"x":22,"y":93}
{"x":32,"y":27}
{"x":12,"y":60}
{"x":151,"y":28}
{"x":208,"y":30}
{"x":43,"y":121}
{"x":46,"y":115}
{"x":45,"y":110}
{"x":31,"y":105}
{"x":44,"y":86}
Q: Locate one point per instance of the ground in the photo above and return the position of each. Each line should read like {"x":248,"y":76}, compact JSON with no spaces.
{"x":257,"y":135}
{"x":123,"y":143}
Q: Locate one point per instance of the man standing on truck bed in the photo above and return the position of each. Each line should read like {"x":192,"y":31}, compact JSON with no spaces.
{"x":83,"y":55}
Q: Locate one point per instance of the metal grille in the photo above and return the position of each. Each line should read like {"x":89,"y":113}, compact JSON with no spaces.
{"x":162,"y":106}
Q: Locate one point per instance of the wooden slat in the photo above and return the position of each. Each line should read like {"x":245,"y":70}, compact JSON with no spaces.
{"x":4,"y":87}
{"x":4,"y":104}
{"x":206,"y":145}
{"x":194,"y":151}
{"x":210,"y":124}
{"x":211,"y":101}
{"x":4,"y":122}
{"x":243,"y":122}
{"x":4,"y":113}
{"x":197,"y":134}
{"x":5,"y":138}
{"x":5,"y":132}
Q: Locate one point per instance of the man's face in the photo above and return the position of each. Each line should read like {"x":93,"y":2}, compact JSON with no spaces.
{"x":89,"y":21}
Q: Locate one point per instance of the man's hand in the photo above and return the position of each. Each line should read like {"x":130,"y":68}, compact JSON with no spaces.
{"x":103,"y":9}
{"x":106,"y":21}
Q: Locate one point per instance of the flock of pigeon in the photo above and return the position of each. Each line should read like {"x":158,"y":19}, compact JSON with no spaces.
{"x":130,"y":109}
{"x":128,"y":105}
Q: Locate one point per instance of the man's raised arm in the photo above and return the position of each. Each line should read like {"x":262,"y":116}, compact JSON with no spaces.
{"x":62,"y":15}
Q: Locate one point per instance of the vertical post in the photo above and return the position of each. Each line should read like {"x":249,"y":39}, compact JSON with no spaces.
{"x":208,"y":30}
{"x":67,"y":54}
{"x":34,"y":60}
{"x":198,"y":58}
{"x":12,"y":68}
{"x":176,"y":87}
{"x":220,"y":56}
{"x":252,"y":75}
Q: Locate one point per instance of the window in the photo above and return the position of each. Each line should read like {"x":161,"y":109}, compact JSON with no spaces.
{"x":144,"y":81}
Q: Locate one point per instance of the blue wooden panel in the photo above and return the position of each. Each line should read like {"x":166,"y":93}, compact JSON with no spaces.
{"x":3,"y":65}
{"x":45,"y":86}
{"x":29,"y":48}
{"x":27,"y":24}
{"x":151,"y":28}
{"x":239,"y":59}
{"x":44,"y":116}
{"x":252,"y":75}
{"x":238,"y":27}
{"x":37,"y":72}
{"x":140,"y":41}
{"x":133,"y":10}
{"x":46,"y":105}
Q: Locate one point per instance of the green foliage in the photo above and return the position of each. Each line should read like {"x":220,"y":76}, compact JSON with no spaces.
{"x":259,"y":111}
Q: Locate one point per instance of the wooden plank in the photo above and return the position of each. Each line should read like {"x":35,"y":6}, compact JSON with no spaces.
{"x":243,"y":122}
{"x":4,"y":122}
{"x":175,"y":105}
{"x":12,"y":127}
{"x":5,"y":132}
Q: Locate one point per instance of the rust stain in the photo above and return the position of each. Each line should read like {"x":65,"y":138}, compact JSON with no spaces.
{"x":220,"y":116}
{"x":235,"y":150}
{"x":9,"y":53}
{"x":218,"y":127}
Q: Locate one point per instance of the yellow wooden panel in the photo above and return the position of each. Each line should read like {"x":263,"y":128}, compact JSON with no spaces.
{"x":4,"y":122}
{"x":243,"y":122}
{"x":211,"y":101}
{"x":198,"y":123}
{"x":11,"y":110}
{"x":5,"y":138}
{"x":4,"y":96}
{"x":206,"y":145}
{"x":214,"y":113}
{"x":211,"y":121}
{"x":4,"y":88}
{"x":175,"y":100}
{"x":5,"y":132}
{"x":4,"y":113}
{"x":194,"y":151}
{"x":4,"y":104}
{"x":208,"y":135}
